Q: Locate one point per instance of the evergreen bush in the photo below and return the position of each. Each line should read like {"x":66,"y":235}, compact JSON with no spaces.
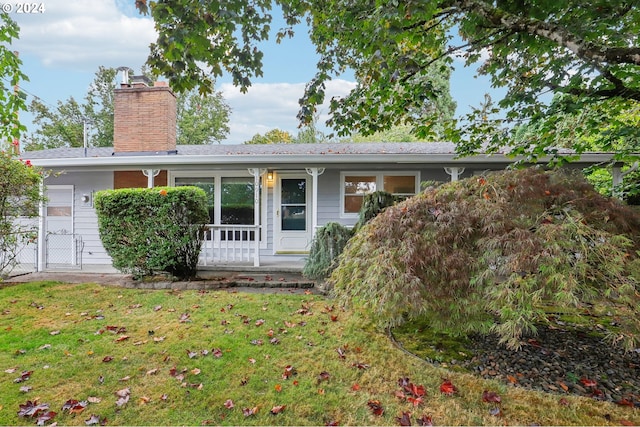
{"x":328,"y":243}
{"x":147,"y":230}
{"x":490,"y":253}
{"x":330,"y":240}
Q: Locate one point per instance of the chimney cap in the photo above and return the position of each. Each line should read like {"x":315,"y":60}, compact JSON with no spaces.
{"x":140,"y":80}
{"x":125,"y":74}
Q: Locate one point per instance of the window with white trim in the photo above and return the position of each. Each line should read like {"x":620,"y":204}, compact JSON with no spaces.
{"x":230,"y":200}
{"x":355,"y":185}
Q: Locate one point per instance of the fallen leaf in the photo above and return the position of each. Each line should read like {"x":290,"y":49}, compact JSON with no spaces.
{"x":496,"y":412}
{"x":74,"y":407}
{"x":447,"y":388}
{"x":512,"y":379}
{"x":152,"y":371}
{"x":404,"y":419}
{"x":289,"y":371}
{"x":355,"y":387}
{"x":277,"y":409}
{"x":24,"y":376}
{"x":278,"y":388}
{"x":144,"y":400}
{"x":425,"y":420}
{"x":195,"y":371}
{"x":25,"y":389}
{"x":491,"y":397}
{"x":588,"y":382}
{"x":122,"y":401}
{"x":229,"y":404}
{"x":217,"y":352}
{"x":360,"y":365}
{"x":122,"y":338}
{"x":375,"y":407}
{"x":93,"y":399}
{"x":123,"y":392}
{"x":44,"y":417}
{"x":32,"y":409}
{"x":323,"y":376}
{"x":415,"y":401}
{"x":93,"y":420}
{"x":259,"y":322}
{"x":250,"y":411}
{"x":563,"y":386}
{"x":626,"y":423}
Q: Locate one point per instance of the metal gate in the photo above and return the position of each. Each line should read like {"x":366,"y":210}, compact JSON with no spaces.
{"x":63,"y":250}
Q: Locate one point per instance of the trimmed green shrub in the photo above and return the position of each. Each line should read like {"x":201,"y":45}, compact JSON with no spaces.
{"x":491,"y":253}
{"x":147,"y":230}
{"x":328,"y":243}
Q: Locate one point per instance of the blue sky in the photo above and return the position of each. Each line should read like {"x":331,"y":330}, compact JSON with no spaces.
{"x":62,"y":48}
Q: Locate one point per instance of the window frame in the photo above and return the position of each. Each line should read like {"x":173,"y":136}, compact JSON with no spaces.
{"x":379,"y":175}
{"x":217,"y":193}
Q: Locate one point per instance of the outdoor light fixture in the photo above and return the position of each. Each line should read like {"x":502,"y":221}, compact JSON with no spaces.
{"x":86,"y":199}
{"x":269,"y":176}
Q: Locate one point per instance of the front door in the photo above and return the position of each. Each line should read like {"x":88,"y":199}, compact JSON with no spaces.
{"x":292,"y":223}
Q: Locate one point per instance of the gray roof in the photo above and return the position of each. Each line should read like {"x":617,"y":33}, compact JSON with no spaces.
{"x":274,"y":155}
{"x":262,"y":149}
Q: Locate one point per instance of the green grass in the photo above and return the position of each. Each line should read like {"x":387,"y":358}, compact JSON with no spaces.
{"x":59,"y":332}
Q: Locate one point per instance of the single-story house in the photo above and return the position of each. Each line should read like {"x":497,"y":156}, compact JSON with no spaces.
{"x":265,"y":201}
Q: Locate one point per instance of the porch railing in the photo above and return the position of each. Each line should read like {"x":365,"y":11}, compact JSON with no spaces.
{"x":231,"y":244}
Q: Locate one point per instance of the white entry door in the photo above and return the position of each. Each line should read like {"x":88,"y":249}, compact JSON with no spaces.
{"x":292,"y":216}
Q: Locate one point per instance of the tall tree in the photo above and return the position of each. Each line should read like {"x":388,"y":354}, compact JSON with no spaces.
{"x":201,"y":119}
{"x":11,"y":99}
{"x":274,"y":136}
{"x":19,"y":181}
{"x":64,"y":125}
{"x":586,"y":48}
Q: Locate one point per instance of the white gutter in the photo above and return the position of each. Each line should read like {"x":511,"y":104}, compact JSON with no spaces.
{"x":155,"y":162}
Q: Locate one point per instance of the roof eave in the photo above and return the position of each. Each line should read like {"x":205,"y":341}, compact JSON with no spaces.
{"x":273,"y":161}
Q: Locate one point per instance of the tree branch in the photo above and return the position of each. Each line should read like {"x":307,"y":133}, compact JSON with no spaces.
{"x":585,"y":50}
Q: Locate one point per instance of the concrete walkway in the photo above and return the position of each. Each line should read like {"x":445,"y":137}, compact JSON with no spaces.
{"x":255,"y":281}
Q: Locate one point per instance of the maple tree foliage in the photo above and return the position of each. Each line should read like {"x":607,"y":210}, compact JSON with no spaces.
{"x":488,"y":253}
{"x":400,"y":51}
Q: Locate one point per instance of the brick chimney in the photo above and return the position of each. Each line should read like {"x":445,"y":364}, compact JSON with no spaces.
{"x":144,"y":119}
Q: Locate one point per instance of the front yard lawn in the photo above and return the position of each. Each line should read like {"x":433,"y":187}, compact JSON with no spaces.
{"x":94,"y":354}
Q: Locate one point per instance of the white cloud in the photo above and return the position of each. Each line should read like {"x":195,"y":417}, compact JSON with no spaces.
{"x":83,"y":34}
{"x":268,"y":106}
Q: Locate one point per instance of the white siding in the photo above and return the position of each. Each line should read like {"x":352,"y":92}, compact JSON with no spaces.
{"x":85,"y":218}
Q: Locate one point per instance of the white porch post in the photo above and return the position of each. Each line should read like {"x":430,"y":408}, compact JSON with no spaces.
{"x":150,"y":174}
{"x":256,"y":173}
{"x":617,"y":176}
{"x":41,"y":227}
{"x":454,"y":172}
{"x":315,"y":173}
